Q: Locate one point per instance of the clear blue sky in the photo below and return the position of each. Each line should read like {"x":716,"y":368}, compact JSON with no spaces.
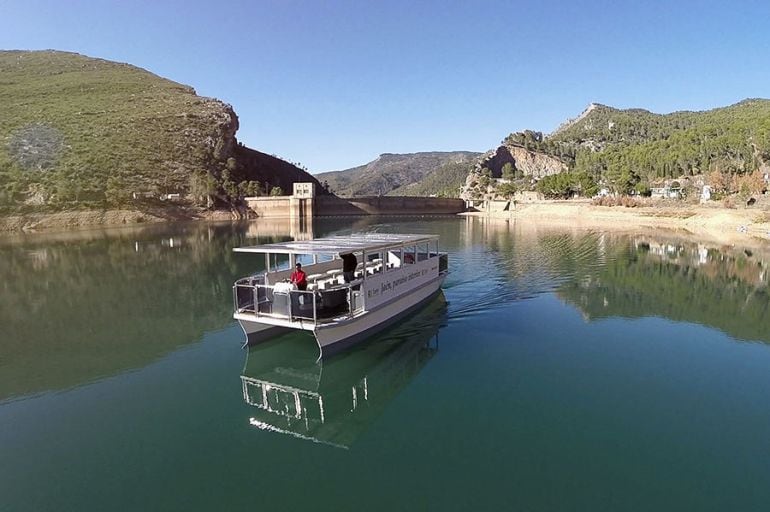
{"x":332,"y":84}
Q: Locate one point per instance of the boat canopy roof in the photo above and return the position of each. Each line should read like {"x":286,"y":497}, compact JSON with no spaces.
{"x":340,"y":244}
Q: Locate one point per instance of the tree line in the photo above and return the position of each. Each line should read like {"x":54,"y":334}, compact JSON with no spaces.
{"x":630,"y":151}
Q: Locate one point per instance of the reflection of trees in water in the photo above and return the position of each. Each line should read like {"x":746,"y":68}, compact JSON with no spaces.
{"x":79,"y":305}
{"x":537,"y":258}
{"x":721,"y":288}
{"x":75,"y":310}
{"x":606,"y":274}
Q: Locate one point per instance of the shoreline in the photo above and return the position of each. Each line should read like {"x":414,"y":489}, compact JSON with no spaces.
{"x":722,"y":225}
{"x":719,"y":224}
{"x":97,"y":219}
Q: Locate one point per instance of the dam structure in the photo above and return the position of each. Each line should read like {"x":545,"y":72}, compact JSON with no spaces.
{"x":305,"y":203}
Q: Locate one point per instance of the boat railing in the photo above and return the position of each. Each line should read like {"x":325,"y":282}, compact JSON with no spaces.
{"x":281,"y":301}
{"x":245,"y":297}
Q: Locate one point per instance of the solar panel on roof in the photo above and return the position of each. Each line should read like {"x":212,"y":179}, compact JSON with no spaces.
{"x":340,"y":244}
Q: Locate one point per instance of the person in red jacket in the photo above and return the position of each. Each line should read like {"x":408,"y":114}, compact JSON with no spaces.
{"x":299,"y":277}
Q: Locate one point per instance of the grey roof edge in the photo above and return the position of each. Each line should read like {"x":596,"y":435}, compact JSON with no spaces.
{"x":340,"y":244}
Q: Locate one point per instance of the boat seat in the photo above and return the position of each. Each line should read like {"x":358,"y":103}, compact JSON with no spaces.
{"x":327,"y":283}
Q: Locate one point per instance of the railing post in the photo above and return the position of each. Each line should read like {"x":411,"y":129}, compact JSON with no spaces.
{"x":255,"y":296}
{"x":315,"y":304}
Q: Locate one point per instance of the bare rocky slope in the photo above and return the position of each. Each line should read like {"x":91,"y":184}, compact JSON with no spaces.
{"x":531,"y":164}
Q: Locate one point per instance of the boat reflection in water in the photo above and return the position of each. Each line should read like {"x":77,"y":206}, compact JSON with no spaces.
{"x":333,"y":401}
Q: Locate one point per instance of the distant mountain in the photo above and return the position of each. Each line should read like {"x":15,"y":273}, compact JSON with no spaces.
{"x":634,"y":148}
{"x":83,"y":132}
{"x":439,"y":173}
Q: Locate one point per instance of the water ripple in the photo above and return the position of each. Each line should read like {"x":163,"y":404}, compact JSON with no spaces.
{"x":505,"y":270}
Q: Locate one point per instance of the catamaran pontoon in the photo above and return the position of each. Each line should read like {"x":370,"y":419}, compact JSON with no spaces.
{"x":395,"y":275}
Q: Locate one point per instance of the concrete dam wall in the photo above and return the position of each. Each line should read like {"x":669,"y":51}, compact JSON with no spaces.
{"x":323,"y":206}
{"x":387,"y":205}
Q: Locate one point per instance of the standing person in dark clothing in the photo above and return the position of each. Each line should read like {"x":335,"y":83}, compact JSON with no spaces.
{"x":349,"y":262}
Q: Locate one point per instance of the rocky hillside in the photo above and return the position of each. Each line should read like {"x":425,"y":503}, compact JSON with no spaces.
{"x":627,"y":150}
{"x":733,"y":139}
{"x":527,"y":163}
{"x":439,"y":173}
{"x":79,"y":132}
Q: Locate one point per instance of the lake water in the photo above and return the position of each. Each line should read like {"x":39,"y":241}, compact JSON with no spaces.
{"x":560,"y":370}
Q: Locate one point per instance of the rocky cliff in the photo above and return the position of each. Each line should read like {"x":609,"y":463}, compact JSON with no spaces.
{"x":527,"y":163}
{"x":530,"y":163}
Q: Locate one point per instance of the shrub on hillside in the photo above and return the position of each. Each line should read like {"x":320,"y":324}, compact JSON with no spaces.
{"x":626,"y":201}
{"x":36,"y":146}
{"x":567,"y":184}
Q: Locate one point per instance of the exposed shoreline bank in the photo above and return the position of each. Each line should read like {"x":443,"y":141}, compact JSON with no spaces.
{"x":718,"y":224}
{"x":91,"y":219}
{"x":715,"y":223}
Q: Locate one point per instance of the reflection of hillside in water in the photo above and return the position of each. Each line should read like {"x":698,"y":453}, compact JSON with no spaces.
{"x":541,"y":256}
{"x":78,"y":306}
{"x":610,"y":274}
{"x":502,"y":262}
{"x":725,"y":288}
{"x":334,"y":401}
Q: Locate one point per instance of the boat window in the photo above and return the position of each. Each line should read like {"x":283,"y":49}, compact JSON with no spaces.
{"x":305,"y":259}
{"x":422,"y":252}
{"x":278,"y":262}
{"x":434,"y":249}
{"x":409,"y":255}
{"x":394,"y":258}
{"x":374,"y":262}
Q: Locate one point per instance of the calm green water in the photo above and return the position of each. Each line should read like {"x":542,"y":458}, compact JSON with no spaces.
{"x":561,"y":370}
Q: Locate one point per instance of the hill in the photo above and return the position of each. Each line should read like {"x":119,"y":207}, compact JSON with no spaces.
{"x":633,"y":149}
{"x":79,"y":132}
{"x":440,"y":173}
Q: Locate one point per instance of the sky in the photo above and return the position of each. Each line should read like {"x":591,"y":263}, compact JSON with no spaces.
{"x":333,"y":84}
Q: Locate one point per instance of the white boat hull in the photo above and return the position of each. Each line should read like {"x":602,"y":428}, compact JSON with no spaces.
{"x":256,"y":332}
{"x":334,"y":337}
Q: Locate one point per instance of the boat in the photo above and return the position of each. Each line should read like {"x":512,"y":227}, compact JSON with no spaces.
{"x":335,"y":401}
{"x":388,"y":277}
